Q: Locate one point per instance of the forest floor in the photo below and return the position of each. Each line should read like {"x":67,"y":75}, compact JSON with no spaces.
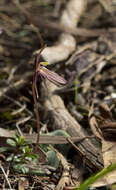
{"x":56,"y":130}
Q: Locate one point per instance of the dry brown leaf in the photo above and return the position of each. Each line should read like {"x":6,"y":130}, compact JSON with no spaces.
{"x":67,"y":43}
{"x":93,"y":123}
{"x":44,"y":139}
{"x":108,"y":146}
{"x":23,"y":183}
{"x":107,"y":4}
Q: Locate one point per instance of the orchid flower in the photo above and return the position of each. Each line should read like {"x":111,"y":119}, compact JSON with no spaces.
{"x":46,"y":74}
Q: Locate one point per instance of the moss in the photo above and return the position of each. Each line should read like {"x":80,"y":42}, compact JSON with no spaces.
{"x":6,"y":115}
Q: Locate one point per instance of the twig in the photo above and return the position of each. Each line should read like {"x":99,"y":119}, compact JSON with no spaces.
{"x":21,"y":121}
{"x":22,"y":107}
{"x":6,"y":177}
{"x":29,"y":20}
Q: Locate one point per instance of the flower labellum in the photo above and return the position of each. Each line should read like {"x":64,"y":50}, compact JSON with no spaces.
{"x":51,"y":76}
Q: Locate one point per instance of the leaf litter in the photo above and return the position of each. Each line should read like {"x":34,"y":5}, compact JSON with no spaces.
{"x":80,"y":47}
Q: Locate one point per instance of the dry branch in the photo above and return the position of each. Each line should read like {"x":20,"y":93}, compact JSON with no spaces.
{"x":61,"y":119}
{"x":67,"y":43}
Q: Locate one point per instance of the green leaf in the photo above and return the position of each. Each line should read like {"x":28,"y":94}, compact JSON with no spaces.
{"x":16,"y":137}
{"x":10,"y":158}
{"x":32,"y":156}
{"x":17,"y":158}
{"x":20,"y":141}
{"x":59,"y":132}
{"x":52,"y":159}
{"x":27,"y":149}
{"x":63,"y":148}
{"x":100,"y":174}
{"x":11,"y":142}
{"x":4,"y":149}
{"x":20,"y":168}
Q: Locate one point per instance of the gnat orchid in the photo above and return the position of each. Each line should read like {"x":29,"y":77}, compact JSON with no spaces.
{"x":46,"y":74}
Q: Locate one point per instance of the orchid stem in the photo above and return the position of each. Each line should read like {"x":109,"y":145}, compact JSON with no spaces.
{"x":37,"y":115}
{"x":35,"y":97}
